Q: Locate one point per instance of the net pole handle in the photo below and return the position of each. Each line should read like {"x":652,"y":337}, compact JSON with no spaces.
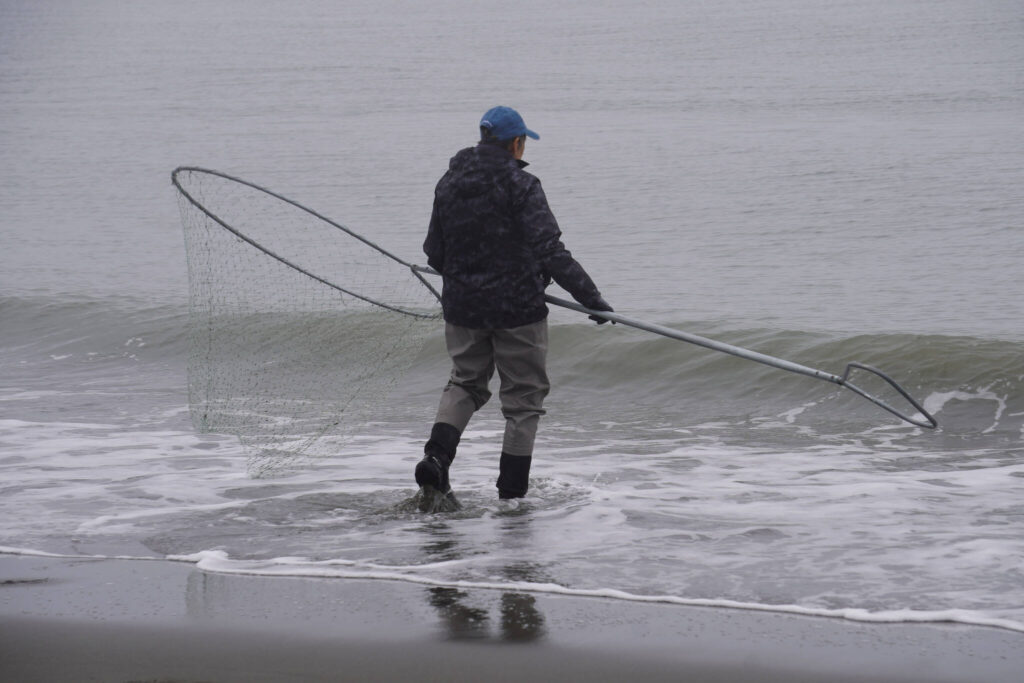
{"x":699,"y":341}
{"x":929,"y":422}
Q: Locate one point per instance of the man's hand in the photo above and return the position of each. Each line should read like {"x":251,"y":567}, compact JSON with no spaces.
{"x":601,"y":305}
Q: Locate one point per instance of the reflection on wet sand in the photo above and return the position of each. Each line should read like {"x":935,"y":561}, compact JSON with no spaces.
{"x":462,"y":615}
{"x":520,"y":621}
{"x":461,"y":622}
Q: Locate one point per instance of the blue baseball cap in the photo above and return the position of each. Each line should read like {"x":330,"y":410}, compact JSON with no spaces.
{"x":505,"y":123}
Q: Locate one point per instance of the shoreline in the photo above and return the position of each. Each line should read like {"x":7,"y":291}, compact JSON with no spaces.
{"x":114,"y":619}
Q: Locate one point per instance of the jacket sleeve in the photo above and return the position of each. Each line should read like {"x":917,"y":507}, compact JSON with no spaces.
{"x":545,"y":241}
{"x":433,"y":246}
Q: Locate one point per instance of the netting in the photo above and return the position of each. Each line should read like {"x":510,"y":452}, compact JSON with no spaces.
{"x":298,"y":327}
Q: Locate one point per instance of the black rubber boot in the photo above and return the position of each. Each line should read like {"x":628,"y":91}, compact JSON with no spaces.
{"x":513,"y":476}
{"x":432,"y":470}
{"x":439,"y":452}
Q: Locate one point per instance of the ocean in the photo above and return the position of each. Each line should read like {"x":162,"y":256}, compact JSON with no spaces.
{"x":824,"y":182}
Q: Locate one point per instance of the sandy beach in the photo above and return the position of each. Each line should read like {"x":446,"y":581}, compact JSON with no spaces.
{"x":130,"y":620}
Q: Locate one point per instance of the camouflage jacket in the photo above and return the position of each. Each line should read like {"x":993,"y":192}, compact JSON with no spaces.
{"x":496,"y":243}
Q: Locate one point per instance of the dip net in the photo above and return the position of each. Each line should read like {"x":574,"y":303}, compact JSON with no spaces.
{"x":298,"y":327}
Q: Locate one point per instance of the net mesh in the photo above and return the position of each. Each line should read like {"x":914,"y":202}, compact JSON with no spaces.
{"x":298,"y":327}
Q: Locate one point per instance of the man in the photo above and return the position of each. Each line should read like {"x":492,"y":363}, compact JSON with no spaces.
{"x":497,"y":246}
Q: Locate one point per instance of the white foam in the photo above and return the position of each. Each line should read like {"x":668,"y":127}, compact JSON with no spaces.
{"x":821,"y":526}
{"x":122,"y":522}
{"x":936,"y":401}
{"x":29,"y":552}
{"x":217,"y":561}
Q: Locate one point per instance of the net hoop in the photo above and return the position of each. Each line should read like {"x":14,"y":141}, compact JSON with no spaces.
{"x":224,"y":224}
{"x":299,"y":328}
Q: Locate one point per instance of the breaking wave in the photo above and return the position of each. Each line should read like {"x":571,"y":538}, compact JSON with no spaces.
{"x":973,"y":385}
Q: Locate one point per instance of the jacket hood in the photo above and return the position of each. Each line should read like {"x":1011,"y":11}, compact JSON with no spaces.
{"x":474,"y":170}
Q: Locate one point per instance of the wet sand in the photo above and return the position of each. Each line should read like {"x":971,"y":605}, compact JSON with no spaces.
{"x":129,"y":620}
